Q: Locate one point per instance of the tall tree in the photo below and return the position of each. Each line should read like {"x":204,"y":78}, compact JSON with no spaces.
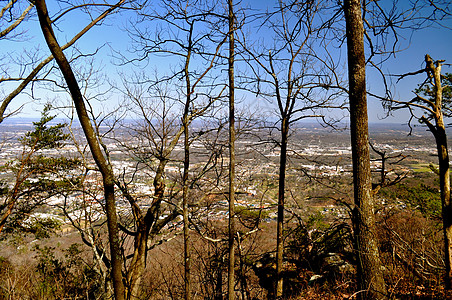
{"x":185,"y":176}
{"x":90,"y":134}
{"x":370,"y":276}
{"x":287,"y":71}
{"x":231,"y":59}
{"x":185,"y":34}
{"x":431,"y":104}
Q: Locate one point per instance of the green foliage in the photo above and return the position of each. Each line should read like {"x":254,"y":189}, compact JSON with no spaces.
{"x":44,"y":186}
{"x":43,"y":227}
{"x":20,"y":224}
{"x":316,"y":247}
{"x":251,"y":214}
{"x":421,"y":197}
{"x":38,"y":176}
{"x":446,"y":82}
{"x":50,"y":269}
{"x":42,"y":164}
{"x":44,"y":136}
{"x":311,"y":243}
{"x":3,"y":188}
{"x":66,"y":278}
{"x":316,"y":220}
{"x":429,"y":91}
{"x":433,"y":168}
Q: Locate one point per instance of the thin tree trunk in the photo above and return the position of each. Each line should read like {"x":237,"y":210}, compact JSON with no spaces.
{"x":246,"y":294}
{"x":219,"y":279}
{"x":185,"y":122}
{"x":231,"y":268}
{"x":370,"y":276}
{"x":281,"y":198}
{"x":185,"y":215}
{"x":104,"y":167}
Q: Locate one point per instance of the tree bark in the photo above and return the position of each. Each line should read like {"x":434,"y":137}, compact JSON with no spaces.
{"x":231,"y":267}
{"x":444,"y":181}
{"x":185,"y":212}
{"x":104,"y":167}
{"x":185,"y":187}
{"x":370,"y":275}
{"x":281,"y":198}
{"x":138,"y":262}
{"x":439,"y":132}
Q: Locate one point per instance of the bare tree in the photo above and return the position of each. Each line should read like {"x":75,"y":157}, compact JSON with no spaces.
{"x":378,"y":29}
{"x":156,"y":142}
{"x":289,"y":72}
{"x":387,"y":159}
{"x":231,"y":227}
{"x":102,"y":163}
{"x":185,"y":34}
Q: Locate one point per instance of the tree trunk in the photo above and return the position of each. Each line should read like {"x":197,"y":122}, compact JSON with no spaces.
{"x":439,"y":132}
{"x":370,"y":275}
{"x":281,"y":198}
{"x":144,"y":224}
{"x":444,"y":182}
{"x":185,"y":215}
{"x":104,"y":167}
{"x":138,"y":262}
{"x":185,"y":121}
{"x":219,"y":280}
{"x":245,"y":291}
{"x":231,"y":267}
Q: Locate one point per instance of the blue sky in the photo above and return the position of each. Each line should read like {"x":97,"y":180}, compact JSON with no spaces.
{"x":436,"y":41}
